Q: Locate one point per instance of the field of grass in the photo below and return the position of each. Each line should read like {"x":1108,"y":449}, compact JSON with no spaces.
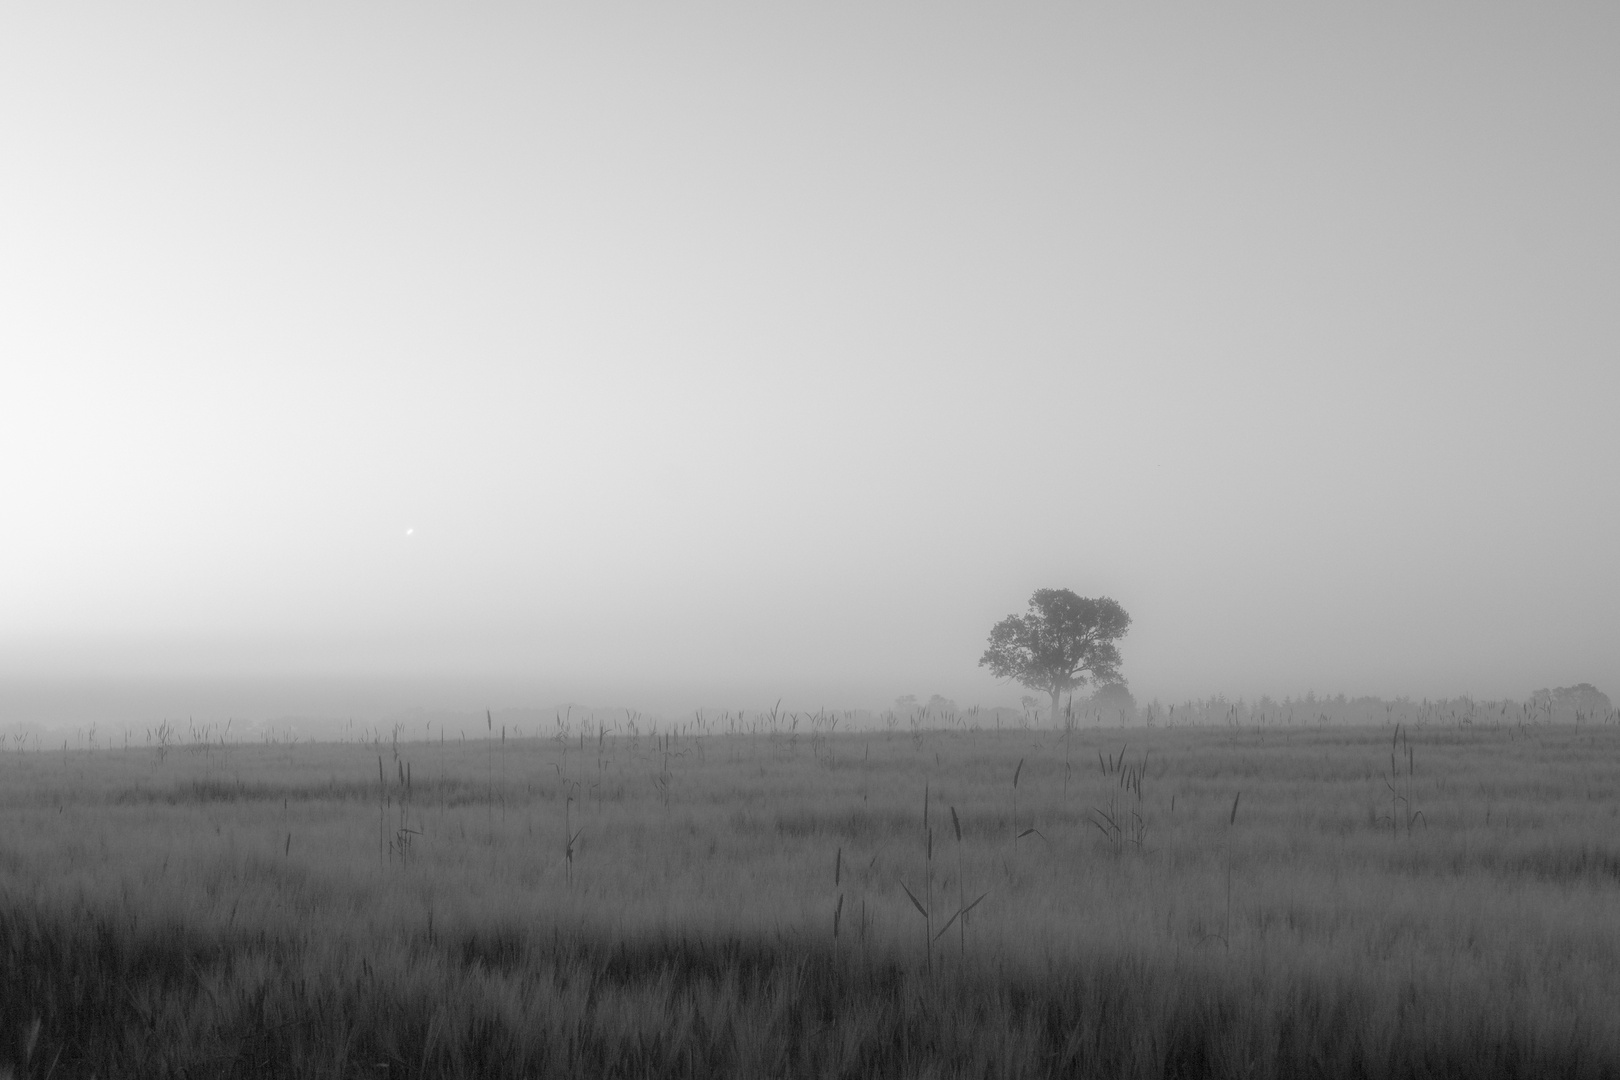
{"x":1248,"y":901}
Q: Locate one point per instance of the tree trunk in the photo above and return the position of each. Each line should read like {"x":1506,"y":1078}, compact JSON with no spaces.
{"x":1056,"y":706}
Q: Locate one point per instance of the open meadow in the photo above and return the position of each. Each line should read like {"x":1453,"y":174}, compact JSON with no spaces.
{"x":1433,"y":900}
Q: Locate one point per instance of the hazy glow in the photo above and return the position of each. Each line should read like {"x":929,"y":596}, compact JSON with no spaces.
{"x":715,"y":351}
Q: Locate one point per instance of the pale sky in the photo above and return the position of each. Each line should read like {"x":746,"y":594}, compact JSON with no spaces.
{"x":683,"y":355}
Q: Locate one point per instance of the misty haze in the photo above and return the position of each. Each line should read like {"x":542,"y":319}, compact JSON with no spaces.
{"x":817,"y":540}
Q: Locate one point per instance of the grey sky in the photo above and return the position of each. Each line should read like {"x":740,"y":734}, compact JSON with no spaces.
{"x":708,"y":350}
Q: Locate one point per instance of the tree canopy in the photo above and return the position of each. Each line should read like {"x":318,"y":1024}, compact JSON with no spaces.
{"x":1061,"y":641}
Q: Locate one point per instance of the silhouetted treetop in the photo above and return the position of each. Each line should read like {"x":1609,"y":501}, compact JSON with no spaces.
{"x":1061,"y":641}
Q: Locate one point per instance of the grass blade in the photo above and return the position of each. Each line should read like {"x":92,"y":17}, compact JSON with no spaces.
{"x":914,"y":901}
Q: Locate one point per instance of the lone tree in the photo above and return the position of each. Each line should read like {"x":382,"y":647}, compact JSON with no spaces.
{"x":1058,"y":643}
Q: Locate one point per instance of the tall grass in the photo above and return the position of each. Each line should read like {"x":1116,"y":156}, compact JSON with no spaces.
{"x":959,"y":917}
{"x":925,"y":906}
{"x":153,"y":916}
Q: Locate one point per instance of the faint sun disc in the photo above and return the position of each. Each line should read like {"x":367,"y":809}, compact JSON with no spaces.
{"x":409,"y":530}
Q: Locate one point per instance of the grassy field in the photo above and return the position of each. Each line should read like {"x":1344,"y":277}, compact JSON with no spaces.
{"x":1171,"y":902}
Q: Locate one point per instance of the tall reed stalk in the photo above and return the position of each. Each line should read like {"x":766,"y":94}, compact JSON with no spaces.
{"x":838,"y":908}
{"x":962,"y":907}
{"x":925,"y":907}
{"x":570,"y":836}
{"x":382,"y":815}
{"x":1231,"y":824}
{"x":1016,"y":773}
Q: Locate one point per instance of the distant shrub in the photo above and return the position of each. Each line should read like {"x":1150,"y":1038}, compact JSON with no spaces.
{"x":1112,"y":699}
{"x":1582,"y":697}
